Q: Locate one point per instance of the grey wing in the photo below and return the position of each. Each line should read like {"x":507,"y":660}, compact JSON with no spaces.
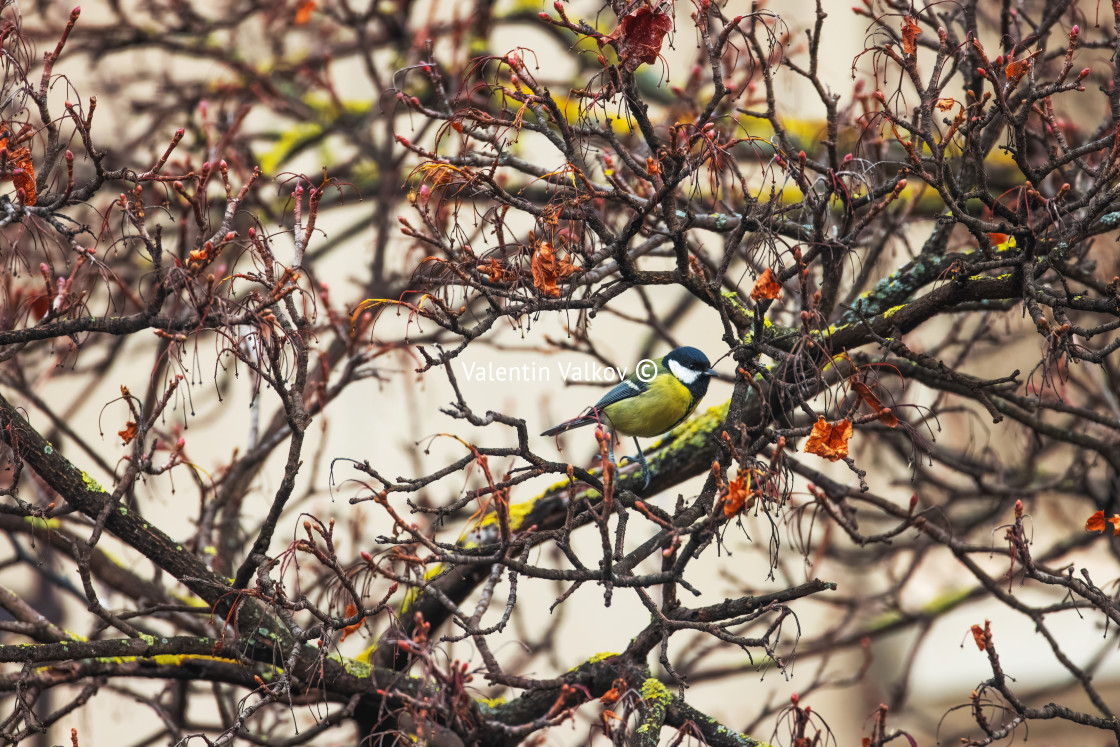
{"x":625,"y":390}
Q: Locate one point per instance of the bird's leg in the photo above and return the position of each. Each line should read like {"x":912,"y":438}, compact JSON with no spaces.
{"x":610,"y":451}
{"x":640,"y":458}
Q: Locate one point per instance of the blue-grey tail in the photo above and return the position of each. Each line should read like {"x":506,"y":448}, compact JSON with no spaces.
{"x":568,"y":425}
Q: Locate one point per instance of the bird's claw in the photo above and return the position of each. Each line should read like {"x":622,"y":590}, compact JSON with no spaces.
{"x":640,"y":458}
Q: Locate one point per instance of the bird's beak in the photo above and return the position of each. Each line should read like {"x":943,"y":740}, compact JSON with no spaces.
{"x":711,"y":372}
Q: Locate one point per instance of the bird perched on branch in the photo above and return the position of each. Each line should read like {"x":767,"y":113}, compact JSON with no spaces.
{"x":655,"y":398}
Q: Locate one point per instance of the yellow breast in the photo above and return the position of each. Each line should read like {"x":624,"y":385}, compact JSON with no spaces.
{"x":665,"y":404}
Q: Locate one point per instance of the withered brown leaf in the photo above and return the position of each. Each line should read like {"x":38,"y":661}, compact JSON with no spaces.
{"x":639,"y":35}
{"x":829,"y":441}
{"x":766,"y":286}
{"x":910,"y":31}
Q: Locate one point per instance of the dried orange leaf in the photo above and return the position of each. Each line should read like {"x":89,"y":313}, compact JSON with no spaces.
{"x":565,"y":267}
{"x":618,"y":687}
{"x":1016,"y":69}
{"x":738,"y":491}
{"x":1095,"y":522}
{"x":496,"y":272}
{"x":946,"y":104}
{"x":351,"y":610}
{"x":639,"y":35}
{"x":980,"y":637}
{"x":128,"y":433}
{"x":766,"y":286}
{"x":1098,"y":523}
{"x":829,"y":441}
{"x":544,"y":270}
{"x":16,"y":166}
{"x":303,"y":12}
{"x":886,"y":417}
{"x":910,"y":31}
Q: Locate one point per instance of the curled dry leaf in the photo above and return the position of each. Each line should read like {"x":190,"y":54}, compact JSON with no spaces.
{"x":544,"y":270}
{"x":980,"y":635}
{"x":639,"y":35}
{"x":1016,"y":69}
{"x":547,"y":269}
{"x":766,"y":286}
{"x":886,"y":417}
{"x":910,"y":31}
{"x":351,"y":610}
{"x":565,"y":267}
{"x":617,"y":689}
{"x":1098,"y":523}
{"x":738,"y":491}
{"x":498,"y":274}
{"x":303,"y":12}
{"x":829,"y":441}
{"x":16,"y":167}
{"x":128,"y":433}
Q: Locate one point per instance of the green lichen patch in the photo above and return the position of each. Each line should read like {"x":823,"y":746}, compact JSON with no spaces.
{"x":654,"y":691}
{"x":40,"y":523}
{"x":359,"y":669}
{"x":92,"y":485}
{"x":489,"y":704}
{"x":596,"y":658}
{"x":657,"y":698}
{"x":692,"y":434}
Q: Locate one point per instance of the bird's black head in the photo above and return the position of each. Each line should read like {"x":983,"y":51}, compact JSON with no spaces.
{"x":692,"y":367}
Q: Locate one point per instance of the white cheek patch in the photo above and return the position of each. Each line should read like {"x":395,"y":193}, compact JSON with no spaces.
{"x":686,"y":376}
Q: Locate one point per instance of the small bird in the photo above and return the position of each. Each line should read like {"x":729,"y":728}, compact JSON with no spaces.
{"x":654,"y":399}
